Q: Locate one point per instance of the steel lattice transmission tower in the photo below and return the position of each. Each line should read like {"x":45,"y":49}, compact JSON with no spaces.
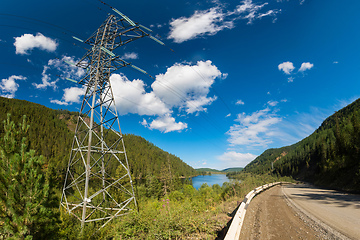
{"x":98,"y":184}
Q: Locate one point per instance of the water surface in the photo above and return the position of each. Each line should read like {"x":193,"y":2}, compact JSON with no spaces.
{"x":209,"y":179}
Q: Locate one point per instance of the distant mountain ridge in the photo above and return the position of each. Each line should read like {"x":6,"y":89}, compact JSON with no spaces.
{"x":234,"y":169}
{"x":329,"y":157}
{"x":219,"y":171}
{"x":51,"y":134}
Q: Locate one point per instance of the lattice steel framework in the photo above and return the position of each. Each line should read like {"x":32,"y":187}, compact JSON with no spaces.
{"x":98,"y":184}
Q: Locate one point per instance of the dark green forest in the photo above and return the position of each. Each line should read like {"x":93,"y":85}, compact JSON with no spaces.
{"x":51,"y":136}
{"x":329,"y":157}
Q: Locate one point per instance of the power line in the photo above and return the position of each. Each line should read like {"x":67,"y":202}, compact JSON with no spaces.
{"x":37,"y":20}
{"x":51,"y":35}
{"x":182,"y":96}
{"x":227,"y":106}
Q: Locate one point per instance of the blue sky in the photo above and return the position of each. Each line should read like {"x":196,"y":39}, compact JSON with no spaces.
{"x":244,"y":76}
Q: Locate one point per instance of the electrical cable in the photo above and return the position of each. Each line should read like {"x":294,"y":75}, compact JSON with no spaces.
{"x":214,"y":91}
{"x":51,"y":35}
{"x":36,"y":20}
{"x":177,"y":93}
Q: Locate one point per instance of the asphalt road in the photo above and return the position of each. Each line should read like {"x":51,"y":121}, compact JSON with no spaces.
{"x":338,"y":210}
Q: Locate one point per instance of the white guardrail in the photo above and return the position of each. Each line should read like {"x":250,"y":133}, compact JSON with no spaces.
{"x":237,"y":222}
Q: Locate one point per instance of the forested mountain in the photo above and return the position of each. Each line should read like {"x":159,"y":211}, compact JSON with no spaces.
{"x":209,"y":171}
{"x":51,"y":134}
{"x":235,"y":169}
{"x":147,"y":159}
{"x":329,"y":157}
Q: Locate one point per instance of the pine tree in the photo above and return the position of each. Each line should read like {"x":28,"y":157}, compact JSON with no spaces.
{"x":25,"y":194}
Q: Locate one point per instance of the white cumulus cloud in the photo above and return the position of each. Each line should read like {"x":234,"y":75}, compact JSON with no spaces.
{"x":253,"y":129}
{"x":9,"y":86}
{"x":27,"y":42}
{"x":57,"y":67}
{"x":131,"y":97}
{"x":236,"y":159}
{"x":197,"y":105}
{"x":200,"y":23}
{"x":130,"y":55}
{"x":272,"y":103}
{"x":240,"y":102}
{"x":73,"y":94}
{"x":183,"y":88}
{"x":213,"y":20}
{"x":58,"y":102}
{"x":286,"y":67}
{"x":251,"y":11}
{"x":66,"y":66}
{"x":46,"y":80}
{"x":306,"y":66}
{"x":187,"y":86}
{"x":166,"y":124}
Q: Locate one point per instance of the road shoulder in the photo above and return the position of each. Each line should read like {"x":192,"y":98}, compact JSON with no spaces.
{"x":269,"y":217}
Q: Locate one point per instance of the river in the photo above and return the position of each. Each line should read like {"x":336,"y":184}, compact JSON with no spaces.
{"x":209,"y":179}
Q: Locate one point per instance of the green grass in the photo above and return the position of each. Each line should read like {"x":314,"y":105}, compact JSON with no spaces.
{"x":187,"y":213}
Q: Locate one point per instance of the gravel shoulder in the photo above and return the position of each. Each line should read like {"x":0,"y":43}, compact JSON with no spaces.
{"x":270,"y":217}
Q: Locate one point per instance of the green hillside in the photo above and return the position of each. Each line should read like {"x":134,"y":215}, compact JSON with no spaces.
{"x":51,"y":135}
{"x":209,"y":171}
{"x":215,"y":170}
{"x":232,"y":169}
{"x":206,"y":170}
{"x":329,"y":157}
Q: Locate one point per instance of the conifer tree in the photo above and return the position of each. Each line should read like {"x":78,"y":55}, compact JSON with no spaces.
{"x":25,"y":196}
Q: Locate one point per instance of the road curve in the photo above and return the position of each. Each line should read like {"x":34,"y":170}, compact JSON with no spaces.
{"x":337,"y":210}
